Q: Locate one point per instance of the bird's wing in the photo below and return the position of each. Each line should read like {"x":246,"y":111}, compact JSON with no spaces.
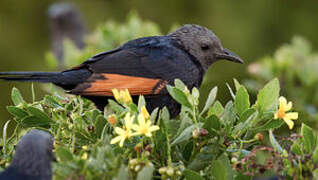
{"x":141,"y":67}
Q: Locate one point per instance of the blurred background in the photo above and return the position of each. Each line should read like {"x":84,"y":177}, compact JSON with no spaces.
{"x":252,"y":29}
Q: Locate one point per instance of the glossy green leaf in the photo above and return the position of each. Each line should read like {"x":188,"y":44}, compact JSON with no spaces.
{"x":308,"y":138}
{"x":236,"y":84}
{"x":210,"y":100}
{"x":191,"y":175}
{"x":64,"y":154}
{"x":38,"y":113}
{"x":16,"y":97}
{"x":217,"y":109}
{"x":268,"y":96}
{"x":146,"y":172}
{"x":222,"y":169}
{"x":272,"y":124}
{"x":242,"y":101}
{"x":17,"y":112}
{"x":179,"y":96}
{"x":185,"y":135}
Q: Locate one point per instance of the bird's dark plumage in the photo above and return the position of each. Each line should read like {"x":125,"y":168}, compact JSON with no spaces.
{"x":144,"y":66}
{"x":32,"y":158}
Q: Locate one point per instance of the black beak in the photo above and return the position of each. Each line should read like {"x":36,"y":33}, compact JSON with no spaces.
{"x":228,"y":55}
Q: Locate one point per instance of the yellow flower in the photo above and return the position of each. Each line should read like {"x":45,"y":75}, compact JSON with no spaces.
{"x":122,"y":96}
{"x":116,"y":94}
{"x":283,"y":114}
{"x":125,"y":132}
{"x":144,"y":112}
{"x":144,"y":127}
{"x":84,"y":147}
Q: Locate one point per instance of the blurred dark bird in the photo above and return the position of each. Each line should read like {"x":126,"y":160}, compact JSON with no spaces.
{"x":144,"y":66}
{"x":65,"y":22}
{"x":32,"y":158}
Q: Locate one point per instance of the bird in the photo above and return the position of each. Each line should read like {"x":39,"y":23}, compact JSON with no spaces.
{"x":144,"y":66}
{"x":65,"y":22}
{"x":32,"y":158}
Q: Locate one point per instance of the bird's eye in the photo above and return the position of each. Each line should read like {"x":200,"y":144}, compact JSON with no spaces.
{"x":205,"y":47}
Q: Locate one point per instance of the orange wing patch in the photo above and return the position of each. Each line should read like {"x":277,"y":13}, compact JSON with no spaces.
{"x":103,"y":86}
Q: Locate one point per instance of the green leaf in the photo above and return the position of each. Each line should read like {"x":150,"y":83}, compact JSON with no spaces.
{"x":17,"y":112}
{"x":179,"y":96}
{"x":268,"y":96}
{"x":50,"y":101}
{"x":295,"y":148}
{"x":190,"y":175}
{"x":242,"y":127}
{"x":64,"y":154}
{"x":100,"y":124}
{"x":211,"y":124}
{"x":35,"y":121}
{"x":274,"y":142}
{"x":243,"y":177}
{"x":115,"y":106}
{"x":222,"y":169}
{"x":237,"y":84}
{"x":228,"y":117}
{"x":185,"y":135}
{"x":187,"y":151}
{"x":272,"y":124}
{"x":246,"y":114}
{"x":217,"y":109}
{"x":16,"y":97}
{"x":210,"y":100}
{"x":39,"y":114}
{"x":315,"y":155}
{"x":122,"y":173}
{"x":204,"y":157}
{"x":179,"y":84}
{"x":308,"y":137}
{"x":242,"y":101}
{"x":146,"y":172}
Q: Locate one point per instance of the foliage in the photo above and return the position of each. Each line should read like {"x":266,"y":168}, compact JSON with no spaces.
{"x":296,"y":66}
{"x":215,"y":142}
{"x":195,"y":145}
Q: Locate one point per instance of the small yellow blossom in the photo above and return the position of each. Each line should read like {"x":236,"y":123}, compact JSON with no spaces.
{"x":112,"y":119}
{"x":144,"y":112}
{"x":125,"y":132}
{"x":283,"y":114}
{"x":122,"y":96}
{"x":144,"y":127}
{"x":84,"y":148}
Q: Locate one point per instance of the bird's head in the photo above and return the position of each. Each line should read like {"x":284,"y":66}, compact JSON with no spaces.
{"x":203,"y":44}
{"x":33,"y":155}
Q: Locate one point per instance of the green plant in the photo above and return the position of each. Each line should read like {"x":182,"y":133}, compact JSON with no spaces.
{"x":295,"y":64}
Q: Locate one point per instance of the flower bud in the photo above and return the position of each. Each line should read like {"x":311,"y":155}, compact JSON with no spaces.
{"x":133,"y":162}
{"x":195,"y":133}
{"x":170,"y":171}
{"x":112,"y":119}
{"x":179,"y":173}
{"x":258,"y":137}
{"x":203,"y":132}
{"x":162,"y":170}
{"x":137,"y":168}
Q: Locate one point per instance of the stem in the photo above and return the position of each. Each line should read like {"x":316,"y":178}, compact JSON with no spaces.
{"x":169,"y":150}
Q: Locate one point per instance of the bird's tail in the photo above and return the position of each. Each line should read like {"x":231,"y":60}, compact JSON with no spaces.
{"x":44,"y":77}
